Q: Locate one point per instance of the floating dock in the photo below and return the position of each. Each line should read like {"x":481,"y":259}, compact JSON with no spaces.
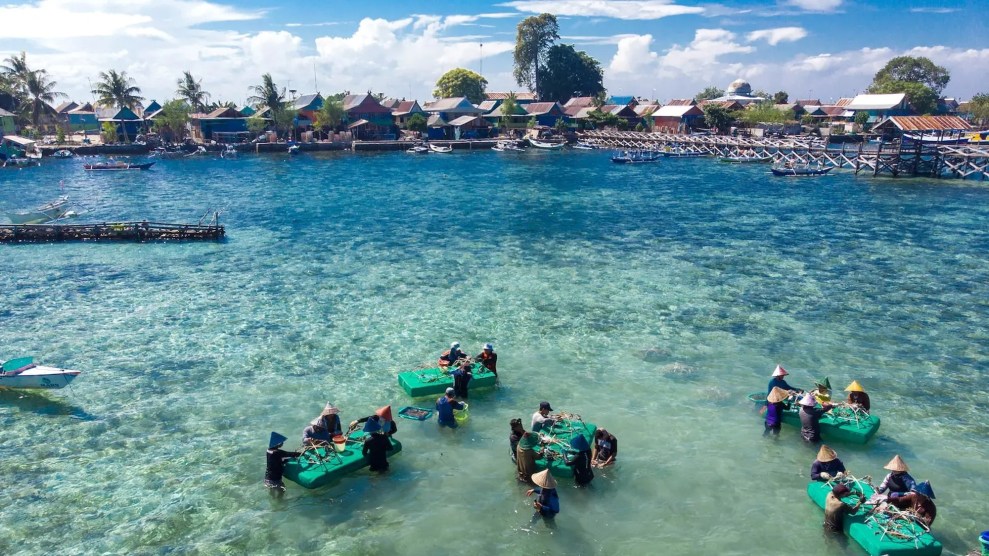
{"x":109,"y":231}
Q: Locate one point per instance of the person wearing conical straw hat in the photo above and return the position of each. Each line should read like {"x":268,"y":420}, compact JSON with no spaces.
{"x":822,"y":390}
{"x":921,"y":501}
{"x":810,"y":417}
{"x":382,"y":416}
{"x":276,"y":463}
{"x":376,"y":447}
{"x":548,"y":501}
{"x":827,"y":466}
{"x":774,"y":410}
{"x":316,"y":434}
{"x":777,"y":380}
{"x":898,"y":482}
{"x":331,"y":419}
{"x":858,"y":397}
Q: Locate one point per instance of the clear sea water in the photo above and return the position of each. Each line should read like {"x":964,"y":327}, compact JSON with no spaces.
{"x":650,"y":300}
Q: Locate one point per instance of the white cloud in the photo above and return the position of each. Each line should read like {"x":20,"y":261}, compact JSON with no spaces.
{"x":933,"y":10}
{"x":700,"y":58}
{"x":617,"y":9}
{"x":778,"y":35}
{"x":816,"y":5}
{"x":633,"y":55}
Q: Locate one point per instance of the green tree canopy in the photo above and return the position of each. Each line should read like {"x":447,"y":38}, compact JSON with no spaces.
{"x":329,"y":115}
{"x":910,"y":69}
{"x":416,"y":122}
{"x":920,"y":96}
{"x":508,"y":107}
{"x":116,"y":89}
{"x":461,"y":82}
{"x":718,"y":117}
{"x":170,"y":123}
{"x":765,"y":113}
{"x":192,"y":91}
{"x":781,"y":97}
{"x":268,"y":95}
{"x":568,"y":71}
{"x":603,"y":119}
{"x":979,"y":108}
{"x":709,"y":93}
{"x":534,"y":36}
{"x":40,"y":90}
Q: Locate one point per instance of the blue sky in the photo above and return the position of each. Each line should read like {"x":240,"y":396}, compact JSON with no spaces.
{"x":654,"y":48}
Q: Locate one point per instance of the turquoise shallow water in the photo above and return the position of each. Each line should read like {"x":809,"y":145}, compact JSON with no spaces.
{"x":342,"y":270}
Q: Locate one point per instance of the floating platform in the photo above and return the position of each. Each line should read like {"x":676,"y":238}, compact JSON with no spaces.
{"x":563,"y":431}
{"x":841,"y":424}
{"x":109,"y":231}
{"x":874,"y":532}
{"x":318,"y":468}
{"x":435,"y":381}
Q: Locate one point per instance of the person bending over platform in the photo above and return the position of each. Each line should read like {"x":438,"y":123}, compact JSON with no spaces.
{"x":451,"y":356}
{"x":541,"y":418}
{"x":605,"y":448}
{"x":920,"y":500}
{"x":583,"y":473}
{"x":525,"y":456}
{"x":835,"y":510}
{"x":331,"y":420}
{"x":316,"y":434}
{"x":898,"y":482}
{"x":382,"y":417}
{"x":777,"y":381}
{"x":858,"y":397}
{"x":810,"y":417}
{"x":461,"y":378}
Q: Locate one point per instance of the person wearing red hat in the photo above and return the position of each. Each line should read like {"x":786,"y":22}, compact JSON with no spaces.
{"x":777,"y":381}
{"x":382,"y":417}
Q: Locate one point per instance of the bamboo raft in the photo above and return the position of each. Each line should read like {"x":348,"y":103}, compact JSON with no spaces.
{"x":109,"y":231}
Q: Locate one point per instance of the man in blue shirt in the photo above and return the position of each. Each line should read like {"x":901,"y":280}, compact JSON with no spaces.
{"x":444,"y":409}
{"x":779,"y":382}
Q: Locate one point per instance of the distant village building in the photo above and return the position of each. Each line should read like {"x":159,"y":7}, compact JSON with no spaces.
{"x":83,"y":118}
{"x":367,"y":119}
{"x":128,"y":124}
{"x":674,"y":118}
{"x":741,"y":92}
{"x":404,"y":110}
{"x":880,"y":106}
{"x":223,"y":125}
{"x":520,"y":98}
{"x":8,"y":122}
{"x":546,"y":113}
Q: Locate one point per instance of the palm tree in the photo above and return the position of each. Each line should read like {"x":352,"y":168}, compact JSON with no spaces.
{"x":41,"y":92}
{"x":267,"y":95}
{"x":16,"y":70}
{"x":192,"y":91}
{"x":116,"y":89}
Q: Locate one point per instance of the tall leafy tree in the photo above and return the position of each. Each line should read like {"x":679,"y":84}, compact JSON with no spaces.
{"x":718,"y":117}
{"x":192,"y":91}
{"x":170,"y":123}
{"x":329,"y":115}
{"x":117,"y":89}
{"x":534,"y":36}
{"x":268,"y":95}
{"x":921,"y":97}
{"x":910,"y":69}
{"x":765,"y":113}
{"x":15,"y":69}
{"x":568,"y":71}
{"x":781,"y":97}
{"x":979,"y":109}
{"x":461,"y":82}
{"x":41,"y":92}
{"x":709,"y":93}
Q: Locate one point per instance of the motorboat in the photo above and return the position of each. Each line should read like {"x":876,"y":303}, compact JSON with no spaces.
{"x":582,"y":146}
{"x":635,"y":157}
{"x":801,"y":171}
{"x":680,"y":152}
{"x":293,"y":149}
{"x":545,"y":144}
{"x":25,"y":373}
{"x":63,"y":153}
{"x":507,"y":146}
{"x":228,"y":151}
{"x":746,"y":159}
{"x":45,"y":213}
{"x":439,"y":149}
{"x":418,"y":148}
{"x":19,"y":162}
{"x":116,"y":165}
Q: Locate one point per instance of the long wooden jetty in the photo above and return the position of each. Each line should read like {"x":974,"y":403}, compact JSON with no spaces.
{"x":109,"y":231}
{"x":894,"y":158}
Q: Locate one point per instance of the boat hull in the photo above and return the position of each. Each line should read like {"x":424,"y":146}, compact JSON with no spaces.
{"x":435,"y":381}
{"x":315,"y":474}
{"x":39,"y":377}
{"x":799,"y":173}
{"x":868,"y":533}
{"x":834,"y":427}
{"x":115,"y":167}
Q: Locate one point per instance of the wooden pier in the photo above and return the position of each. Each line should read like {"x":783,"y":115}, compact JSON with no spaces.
{"x":895,"y":159}
{"x":109,"y":231}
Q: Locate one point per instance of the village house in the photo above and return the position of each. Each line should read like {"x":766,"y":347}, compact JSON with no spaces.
{"x":880,"y":106}
{"x":934,"y":129}
{"x":128,"y":124}
{"x":8,"y":122}
{"x":83,"y":118}
{"x":305,"y":108}
{"x":520,"y":98}
{"x":404,"y":110}
{"x":677,"y":118}
{"x":622,"y":111}
{"x":223,"y":125}
{"x":573,"y":106}
{"x":367,"y":119}
{"x":445,"y":111}
{"x":497,"y":117}
{"x":545,"y":113}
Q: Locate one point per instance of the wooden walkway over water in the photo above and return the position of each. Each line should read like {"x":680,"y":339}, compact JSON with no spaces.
{"x":109,"y":231}
{"x":895,"y":159}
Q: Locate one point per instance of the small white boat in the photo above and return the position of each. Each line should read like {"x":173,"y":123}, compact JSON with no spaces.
{"x":418,"y":148}
{"x":507,"y":146}
{"x":19,"y":162}
{"x":293,"y":149}
{"x":439,"y":149}
{"x":24,"y":373}
{"x":63,"y":153}
{"x":545,"y":144}
{"x":228,"y":152}
{"x":582,"y":146}
{"x":45,"y":213}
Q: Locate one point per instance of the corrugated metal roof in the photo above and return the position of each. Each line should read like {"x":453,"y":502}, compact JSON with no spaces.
{"x":673,"y":111}
{"x":843,"y":101}
{"x":503,"y":96}
{"x":809,"y":102}
{"x":4,"y":112}
{"x":930,"y":123}
{"x":682,"y":102}
{"x":406,"y":107}
{"x":463,"y":120}
{"x":580,"y":102}
{"x":454,"y":104}
{"x":646,"y":109}
{"x":538,"y":108}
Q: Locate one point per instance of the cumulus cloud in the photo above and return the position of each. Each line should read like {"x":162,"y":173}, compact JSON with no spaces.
{"x":701,"y":57}
{"x":633,"y":55}
{"x":778,"y":35}
{"x":617,"y":9}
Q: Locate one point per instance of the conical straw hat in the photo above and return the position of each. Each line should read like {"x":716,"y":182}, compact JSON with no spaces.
{"x":826,"y":454}
{"x":825,"y":382}
{"x":544,"y":479}
{"x":777,"y":395}
{"x":855,"y":387}
{"x":896,"y":464}
{"x":809,"y":400}
{"x":780,"y":371}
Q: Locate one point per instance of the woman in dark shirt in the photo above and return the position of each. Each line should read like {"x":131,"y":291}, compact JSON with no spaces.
{"x":581,"y":461}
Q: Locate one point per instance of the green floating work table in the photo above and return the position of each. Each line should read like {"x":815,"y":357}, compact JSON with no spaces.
{"x":322,"y":466}
{"x":875,"y":531}
{"x":841,"y":424}
{"x":562,"y":433}
{"x":435,"y":381}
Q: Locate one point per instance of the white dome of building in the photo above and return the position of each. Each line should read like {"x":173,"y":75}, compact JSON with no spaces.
{"x":739,"y":87}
